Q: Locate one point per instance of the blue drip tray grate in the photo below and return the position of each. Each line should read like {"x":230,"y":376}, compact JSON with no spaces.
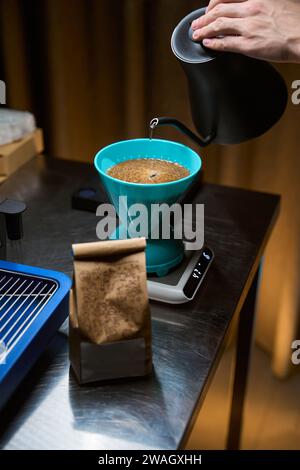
{"x":34,"y":302}
{"x":22,"y":298}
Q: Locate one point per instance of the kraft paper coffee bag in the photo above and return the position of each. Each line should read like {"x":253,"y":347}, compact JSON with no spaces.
{"x":110,"y":309}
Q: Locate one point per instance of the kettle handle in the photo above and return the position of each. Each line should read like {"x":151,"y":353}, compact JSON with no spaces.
{"x":167,"y":121}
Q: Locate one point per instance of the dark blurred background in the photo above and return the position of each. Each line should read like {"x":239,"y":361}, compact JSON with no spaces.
{"x":97,"y":71}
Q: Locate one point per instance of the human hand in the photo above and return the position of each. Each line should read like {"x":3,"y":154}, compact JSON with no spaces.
{"x":264,"y":29}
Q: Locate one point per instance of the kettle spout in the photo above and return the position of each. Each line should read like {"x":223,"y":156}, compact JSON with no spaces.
{"x":167,"y":121}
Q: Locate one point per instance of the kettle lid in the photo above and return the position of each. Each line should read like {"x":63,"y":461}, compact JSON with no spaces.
{"x":183,"y":45}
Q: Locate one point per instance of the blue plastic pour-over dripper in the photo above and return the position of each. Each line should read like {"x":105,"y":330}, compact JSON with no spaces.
{"x":161,"y":255}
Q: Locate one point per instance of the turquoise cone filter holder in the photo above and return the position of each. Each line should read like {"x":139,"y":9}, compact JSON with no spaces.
{"x":161,"y":255}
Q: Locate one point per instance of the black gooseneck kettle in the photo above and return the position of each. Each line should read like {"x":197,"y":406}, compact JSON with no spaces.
{"x":233,"y":98}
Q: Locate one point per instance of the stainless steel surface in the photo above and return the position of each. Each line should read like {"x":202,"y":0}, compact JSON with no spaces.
{"x":50,"y":410}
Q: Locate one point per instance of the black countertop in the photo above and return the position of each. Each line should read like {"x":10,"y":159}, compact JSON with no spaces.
{"x":50,"y":410}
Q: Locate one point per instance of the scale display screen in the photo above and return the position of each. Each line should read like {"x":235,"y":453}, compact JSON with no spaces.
{"x":198,"y":273}
{"x":181,"y":285}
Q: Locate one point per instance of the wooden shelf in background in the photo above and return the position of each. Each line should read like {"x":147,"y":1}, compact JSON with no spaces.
{"x":14,"y":155}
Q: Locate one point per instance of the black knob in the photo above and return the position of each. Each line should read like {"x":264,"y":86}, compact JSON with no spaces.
{"x":12,"y":211}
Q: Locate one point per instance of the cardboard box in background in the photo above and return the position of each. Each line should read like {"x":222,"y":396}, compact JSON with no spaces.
{"x":14,"y":155}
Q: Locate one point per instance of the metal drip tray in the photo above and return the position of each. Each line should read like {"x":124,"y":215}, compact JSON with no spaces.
{"x":22,"y":298}
{"x":33,"y":305}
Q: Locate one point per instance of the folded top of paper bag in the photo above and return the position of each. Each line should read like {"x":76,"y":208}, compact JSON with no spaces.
{"x":108,"y":248}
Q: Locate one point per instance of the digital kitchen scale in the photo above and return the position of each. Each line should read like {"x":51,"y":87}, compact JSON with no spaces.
{"x":182,"y":284}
